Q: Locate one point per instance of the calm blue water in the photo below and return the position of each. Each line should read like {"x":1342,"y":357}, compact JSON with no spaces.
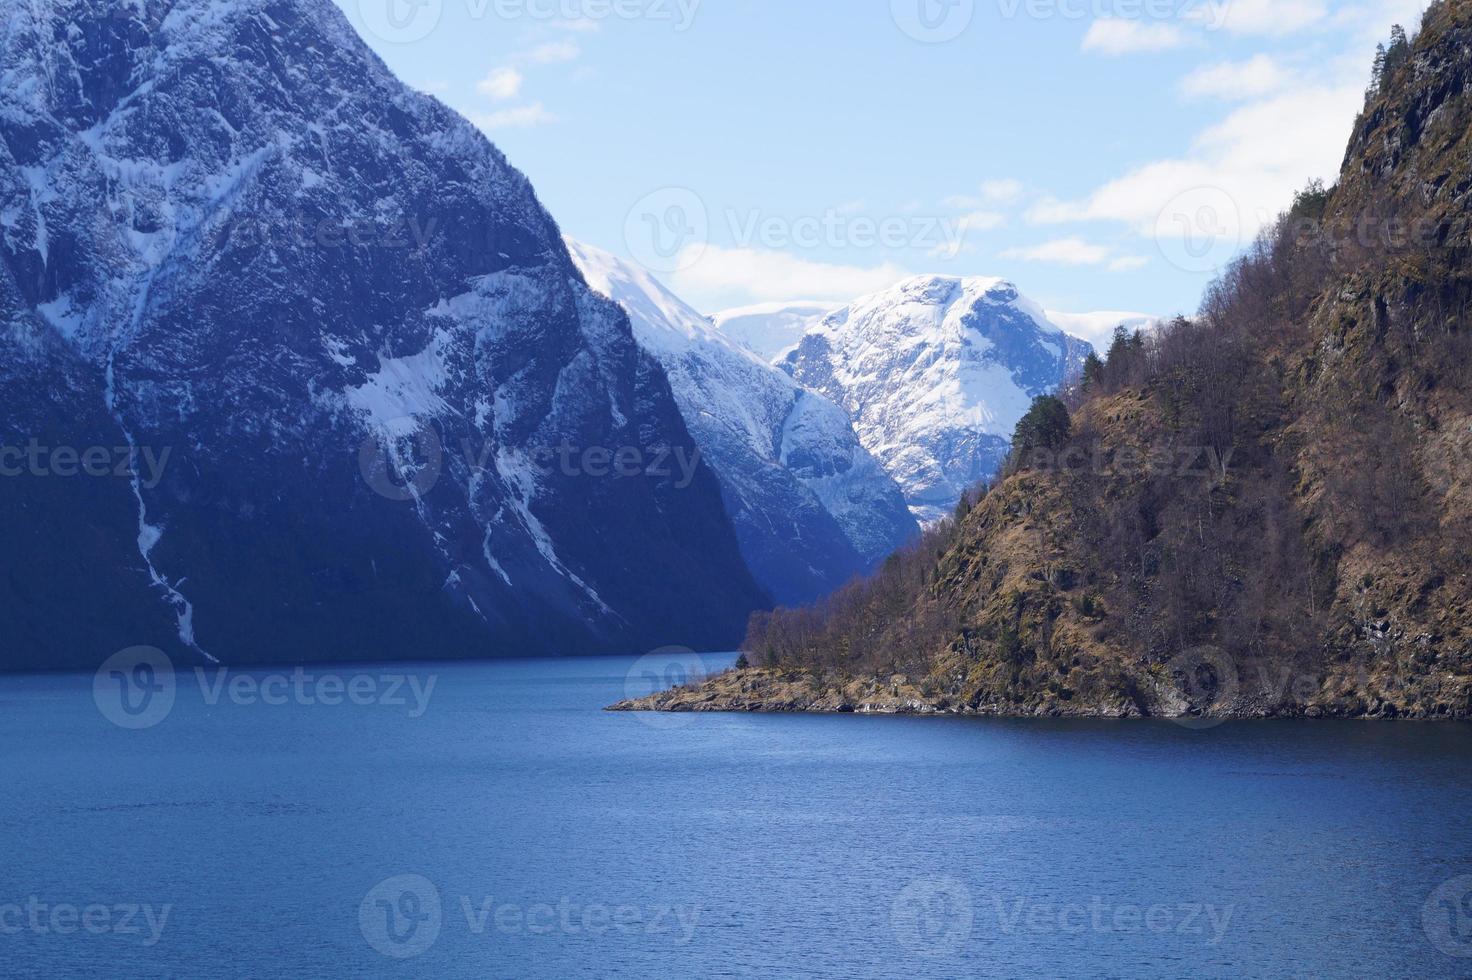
{"x":514,"y":829}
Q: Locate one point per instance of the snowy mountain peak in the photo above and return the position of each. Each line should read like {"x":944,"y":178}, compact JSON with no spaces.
{"x":935,"y":373}
{"x":661,"y":320}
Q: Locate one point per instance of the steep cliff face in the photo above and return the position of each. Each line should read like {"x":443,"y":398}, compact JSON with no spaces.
{"x":1264,"y":511}
{"x":231,"y":236}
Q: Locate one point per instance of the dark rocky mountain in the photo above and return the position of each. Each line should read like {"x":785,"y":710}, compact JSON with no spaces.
{"x":1262,"y":511}
{"x":376,"y":389}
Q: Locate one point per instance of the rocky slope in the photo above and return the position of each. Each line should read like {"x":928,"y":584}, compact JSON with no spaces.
{"x":1266,"y":511}
{"x":812,"y":508}
{"x":935,"y":373}
{"x":231,"y":236}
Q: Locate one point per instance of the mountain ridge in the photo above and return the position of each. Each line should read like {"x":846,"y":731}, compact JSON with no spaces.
{"x":935,"y":372}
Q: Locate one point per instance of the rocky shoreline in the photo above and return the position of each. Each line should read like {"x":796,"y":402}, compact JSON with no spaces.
{"x":768,"y":691}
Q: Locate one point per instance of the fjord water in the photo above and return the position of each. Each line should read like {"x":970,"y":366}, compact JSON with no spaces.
{"x":515,"y":829}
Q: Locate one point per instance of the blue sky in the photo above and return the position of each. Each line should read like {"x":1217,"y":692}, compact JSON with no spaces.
{"x":1103,"y":154}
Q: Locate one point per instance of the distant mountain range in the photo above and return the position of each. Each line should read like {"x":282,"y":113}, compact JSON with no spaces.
{"x":812,"y":508}
{"x":770,"y":330}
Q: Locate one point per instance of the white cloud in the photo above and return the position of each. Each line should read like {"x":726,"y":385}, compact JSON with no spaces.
{"x":1244,"y":169}
{"x":1236,"y":80}
{"x":501,"y":84}
{"x":763,"y":275}
{"x":553,"y":53}
{"x":1061,"y":251}
{"x":1002,"y":191}
{"x":1128,"y":263}
{"x":992,"y":192}
{"x":520,"y":117}
{"x":1113,"y":36}
{"x":1098,"y":328}
{"x":1273,"y":18}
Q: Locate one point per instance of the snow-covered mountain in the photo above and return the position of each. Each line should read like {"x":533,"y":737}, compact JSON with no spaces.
{"x":935,"y":373}
{"x":229,"y":237}
{"x":812,"y":508}
{"x":770,"y":330}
